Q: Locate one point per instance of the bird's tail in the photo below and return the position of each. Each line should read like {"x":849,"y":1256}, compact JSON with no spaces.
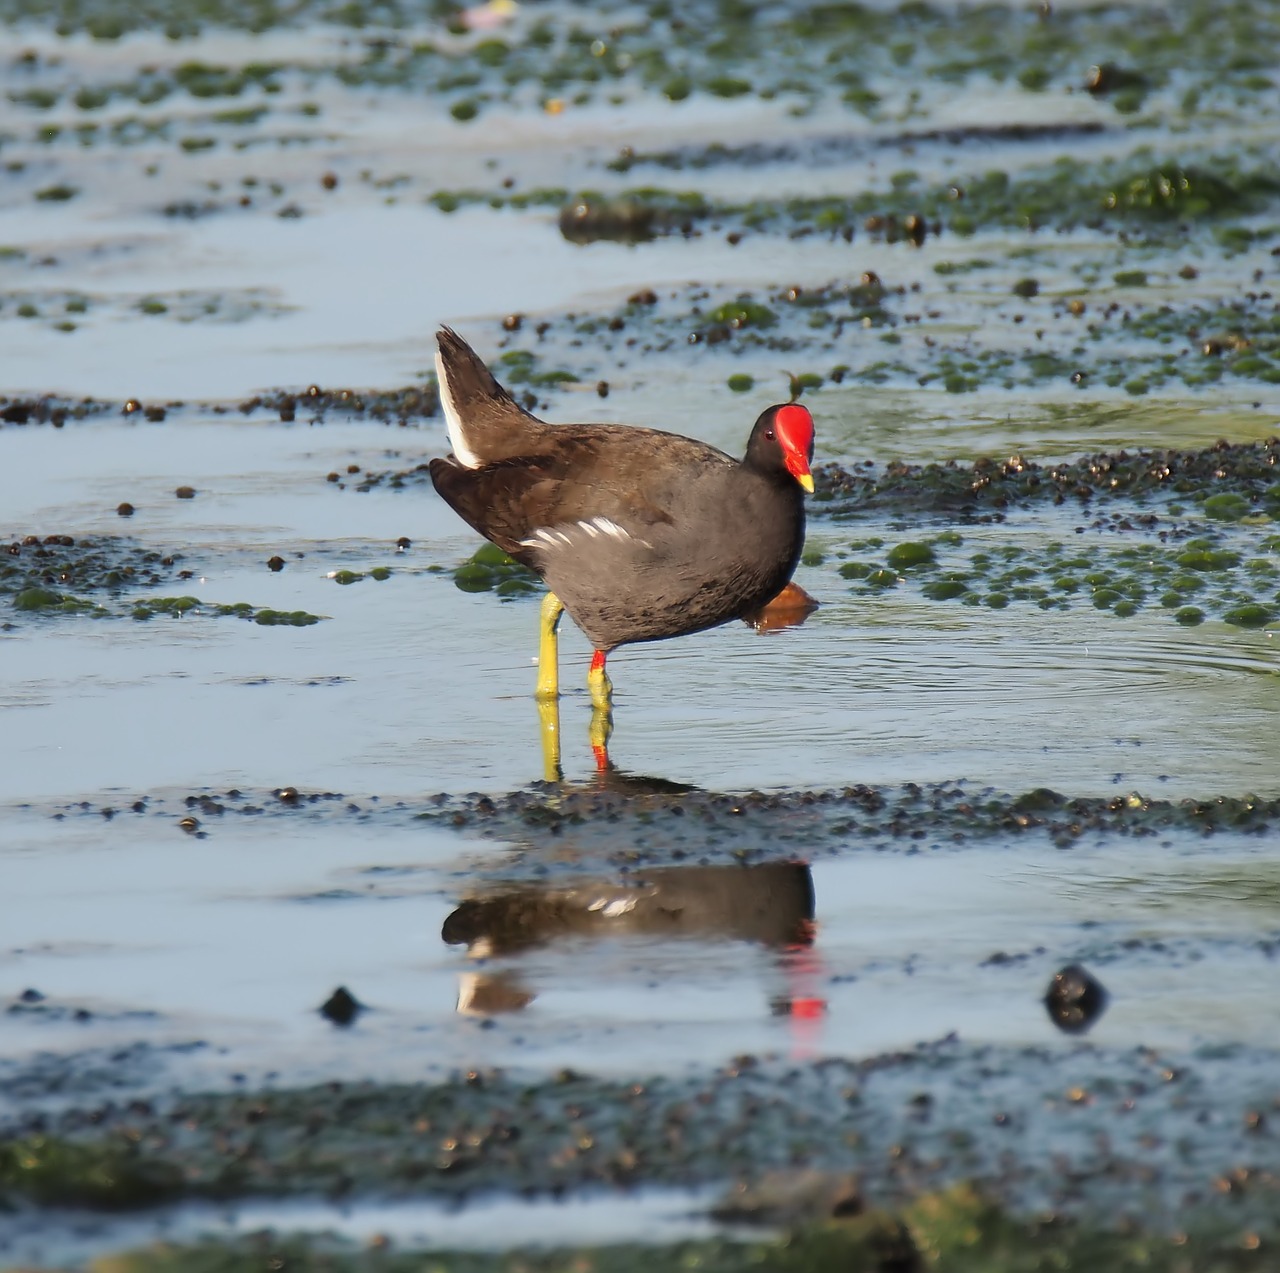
{"x":485,"y":423}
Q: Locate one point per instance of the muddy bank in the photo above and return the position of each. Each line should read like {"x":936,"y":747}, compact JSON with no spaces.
{"x":1160,"y":1143}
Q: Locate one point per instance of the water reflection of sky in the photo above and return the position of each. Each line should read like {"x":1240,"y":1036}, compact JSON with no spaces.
{"x":235,"y":940}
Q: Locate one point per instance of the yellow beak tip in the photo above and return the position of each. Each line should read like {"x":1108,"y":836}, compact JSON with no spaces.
{"x":806,"y":481}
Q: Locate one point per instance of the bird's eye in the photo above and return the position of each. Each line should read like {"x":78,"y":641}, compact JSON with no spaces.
{"x":769,"y":434}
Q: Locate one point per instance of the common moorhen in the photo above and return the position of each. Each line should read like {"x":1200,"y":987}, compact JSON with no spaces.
{"x":639,"y":534}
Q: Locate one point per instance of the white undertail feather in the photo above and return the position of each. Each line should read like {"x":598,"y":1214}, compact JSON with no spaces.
{"x":452,"y":420}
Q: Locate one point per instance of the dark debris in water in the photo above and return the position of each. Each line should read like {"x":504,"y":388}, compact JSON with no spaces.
{"x":341,"y":1007}
{"x":1248,"y":469}
{"x":628,"y":820}
{"x":50,"y":409}
{"x":62,"y":574}
{"x":964,"y":330}
{"x":50,"y":569}
{"x":1075,"y":999}
{"x":314,"y":404}
{"x":637,"y":827}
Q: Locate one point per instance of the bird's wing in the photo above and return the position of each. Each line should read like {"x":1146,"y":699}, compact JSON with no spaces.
{"x":587,"y":480}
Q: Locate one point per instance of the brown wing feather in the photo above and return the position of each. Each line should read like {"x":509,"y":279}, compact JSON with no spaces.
{"x":580,"y":471}
{"x":495,"y":500}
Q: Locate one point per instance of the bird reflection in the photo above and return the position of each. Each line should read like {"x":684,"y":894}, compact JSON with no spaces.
{"x":769,"y":905}
{"x":789,"y":609}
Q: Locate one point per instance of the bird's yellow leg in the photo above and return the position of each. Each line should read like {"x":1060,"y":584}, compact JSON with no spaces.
{"x":599,"y":684}
{"x":549,"y":716}
{"x":601,"y":710}
{"x":601,"y":728}
{"x":549,"y":647}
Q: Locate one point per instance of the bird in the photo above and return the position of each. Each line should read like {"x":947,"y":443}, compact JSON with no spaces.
{"x":640,"y":534}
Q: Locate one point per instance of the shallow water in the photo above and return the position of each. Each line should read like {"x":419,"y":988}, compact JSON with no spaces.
{"x":650,"y":1216}
{"x":906,"y":946}
{"x":876,"y":689}
{"x":202,"y":954}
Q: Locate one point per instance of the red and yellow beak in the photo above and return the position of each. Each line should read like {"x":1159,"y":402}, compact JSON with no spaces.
{"x":798,"y":467}
{"x":794,"y":426}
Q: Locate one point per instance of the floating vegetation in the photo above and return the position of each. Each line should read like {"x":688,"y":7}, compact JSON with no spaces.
{"x":1203,"y":57}
{"x":1134,"y":193}
{"x":345,"y":577}
{"x":489,"y":569}
{"x":1236,"y":581}
{"x":46,"y":601}
{"x":236,"y":306}
{"x":827,"y":1225}
{"x":59,"y":574}
{"x":53,"y":306}
{"x":180,"y":607}
{"x":111,"y":1174}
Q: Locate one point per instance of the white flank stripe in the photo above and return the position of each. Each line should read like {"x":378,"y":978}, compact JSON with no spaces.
{"x":597,"y":526}
{"x":452,"y":420}
{"x":611,"y":528}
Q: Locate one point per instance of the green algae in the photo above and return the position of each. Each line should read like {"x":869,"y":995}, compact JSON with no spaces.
{"x":46,"y":601}
{"x":179,"y":607}
{"x":955,"y":1230}
{"x":1217,"y":54}
{"x":1065,"y":195}
{"x":489,"y":569}
{"x":909,"y":555}
{"x":345,"y":577}
{"x":113,"y":1173}
{"x":1120,"y":580}
{"x":276,"y":618}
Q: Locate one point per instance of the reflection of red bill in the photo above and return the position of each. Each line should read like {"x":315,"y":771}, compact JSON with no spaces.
{"x":486,"y":17}
{"x":804,"y":1006}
